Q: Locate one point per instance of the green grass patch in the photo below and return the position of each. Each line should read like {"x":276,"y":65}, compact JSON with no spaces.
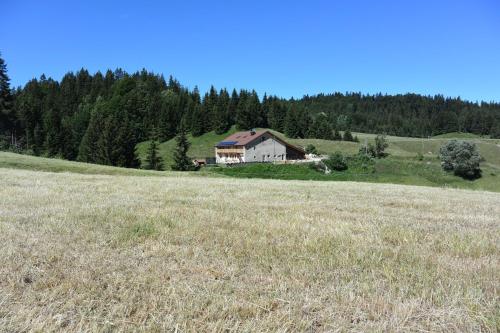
{"x":395,"y":170}
{"x":138,"y":231}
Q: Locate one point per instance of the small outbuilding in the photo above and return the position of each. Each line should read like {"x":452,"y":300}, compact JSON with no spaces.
{"x":256,"y":146}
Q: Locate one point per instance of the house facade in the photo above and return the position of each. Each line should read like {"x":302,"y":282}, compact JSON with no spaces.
{"x":252,"y":146}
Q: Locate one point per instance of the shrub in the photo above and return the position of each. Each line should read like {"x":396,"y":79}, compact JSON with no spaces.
{"x":362,"y":163}
{"x":462,"y":158}
{"x":336,"y":162}
{"x":380,"y":145}
{"x":367,"y":151}
{"x":311,"y":149}
{"x":319,"y":167}
{"x":377,"y":150}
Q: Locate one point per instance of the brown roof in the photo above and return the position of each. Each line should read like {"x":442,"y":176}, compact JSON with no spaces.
{"x":241,"y":138}
{"x":244,"y":138}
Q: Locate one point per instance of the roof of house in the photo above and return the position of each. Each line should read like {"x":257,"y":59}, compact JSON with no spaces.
{"x":240,"y":138}
{"x":244,"y":138}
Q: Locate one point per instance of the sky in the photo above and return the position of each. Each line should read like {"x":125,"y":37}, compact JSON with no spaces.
{"x":285,"y":48}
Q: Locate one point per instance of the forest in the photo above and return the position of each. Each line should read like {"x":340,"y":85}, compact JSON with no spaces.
{"x":100,"y":117}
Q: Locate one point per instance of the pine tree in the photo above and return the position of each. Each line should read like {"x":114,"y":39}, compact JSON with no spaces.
{"x":6,"y":102}
{"x":220,"y":113}
{"x":291,"y":128}
{"x":336,"y":135}
{"x":348,"y":136}
{"x":276,"y":114}
{"x":89,"y":149}
{"x":123,"y":147}
{"x":153,"y":159}
{"x":248,"y":115}
{"x":198,"y":124}
{"x":321,"y":128}
{"x":303,"y":123}
{"x":233,"y":107}
{"x":181,"y":160}
{"x":495,"y":131}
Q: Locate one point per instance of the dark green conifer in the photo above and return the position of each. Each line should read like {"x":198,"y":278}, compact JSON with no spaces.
{"x":153,"y":159}
{"x":181,"y":160}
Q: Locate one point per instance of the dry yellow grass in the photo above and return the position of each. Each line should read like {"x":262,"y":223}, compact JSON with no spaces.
{"x":189,"y":254}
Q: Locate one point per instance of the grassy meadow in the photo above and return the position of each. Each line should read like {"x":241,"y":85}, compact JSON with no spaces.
{"x":135,"y":253}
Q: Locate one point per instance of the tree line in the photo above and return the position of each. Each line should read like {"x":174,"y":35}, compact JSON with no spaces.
{"x":99,"y":118}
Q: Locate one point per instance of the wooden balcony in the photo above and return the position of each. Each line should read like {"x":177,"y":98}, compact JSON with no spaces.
{"x":229,"y":150}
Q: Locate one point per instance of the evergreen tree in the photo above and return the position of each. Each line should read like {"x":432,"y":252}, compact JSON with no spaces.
{"x":221,"y":113}
{"x":6,"y":103}
{"x":233,"y":107}
{"x":495,"y":130}
{"x":347,"y":136}
{"x":198,"y":125}
{"x":336,"y":135}
{"x":303,"y":123}
{"x":248,"y":115}
{"x":276,"y":114}
{"x":123,"y":147}
{"x":89,"y":149}
{"x":291,"y":123}
{"x":181,"y":160}
{"x":321,"y":128}
{"x":153,"y":159}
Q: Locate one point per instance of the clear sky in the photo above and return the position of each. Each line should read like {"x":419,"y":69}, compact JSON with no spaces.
{"x":287,"y":48}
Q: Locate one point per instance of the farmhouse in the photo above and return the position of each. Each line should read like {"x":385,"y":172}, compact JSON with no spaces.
{"x":255,"y":146}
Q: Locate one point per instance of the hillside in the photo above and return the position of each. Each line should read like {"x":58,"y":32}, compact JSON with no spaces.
{"x":402,"y":166}
{"x":203,"y":146}
{"x":112,"y":253}
{"x":28,"y":162}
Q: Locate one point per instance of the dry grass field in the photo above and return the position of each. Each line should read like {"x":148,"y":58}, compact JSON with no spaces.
{"x":100,"y":253}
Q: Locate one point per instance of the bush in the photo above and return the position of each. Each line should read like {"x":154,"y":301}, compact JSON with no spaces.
{"x":377,"y":150}
{"x":311,"y":149}
{"x":380,"y":145}
{"x":362,"y":163}
{"x":462,"y":158}
{"x":336,"y":162}
{"x":319,"y":167}
{"x":367,"y":151}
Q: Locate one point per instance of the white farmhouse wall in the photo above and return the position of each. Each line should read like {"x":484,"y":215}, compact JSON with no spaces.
{"x":265,"y":149}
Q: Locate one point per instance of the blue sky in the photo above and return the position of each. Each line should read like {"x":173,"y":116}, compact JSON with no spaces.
{"x":287,"y":48}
